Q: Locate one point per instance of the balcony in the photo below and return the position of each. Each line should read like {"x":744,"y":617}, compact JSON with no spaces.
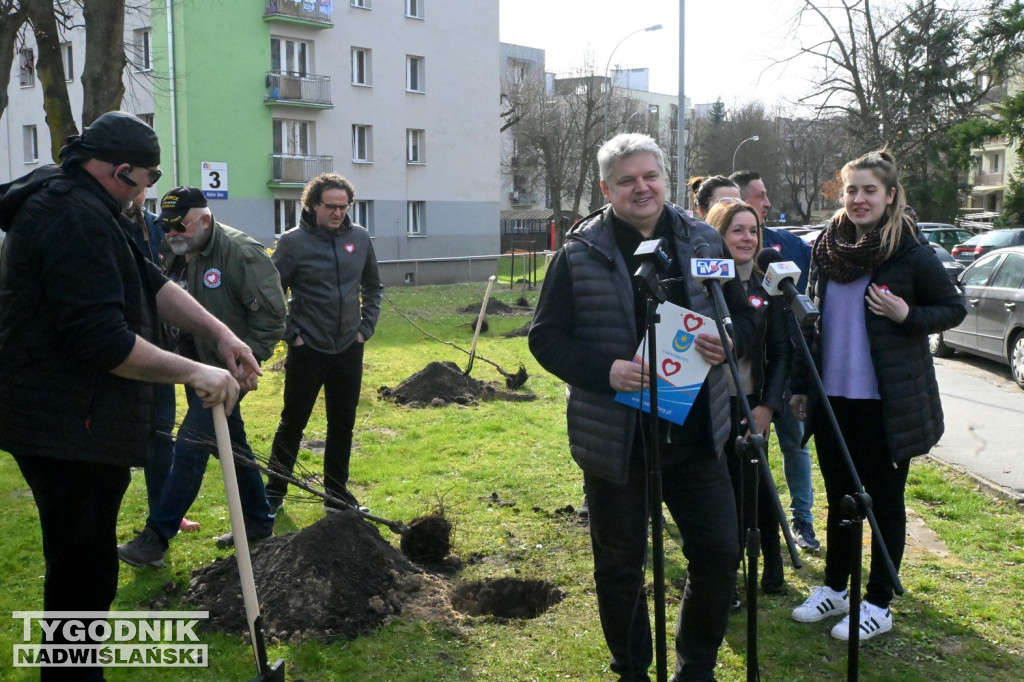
{"x":987,"y":179}
{"x":291,"y":170}
{"x":299,"y":12}
{"x":522,"y":198}
{"x":303,"y":91}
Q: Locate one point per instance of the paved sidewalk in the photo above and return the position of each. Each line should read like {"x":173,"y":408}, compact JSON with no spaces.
{"x":984,"y":414}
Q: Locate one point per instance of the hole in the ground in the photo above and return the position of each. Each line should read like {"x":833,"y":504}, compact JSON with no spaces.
{"x":506,"y":598}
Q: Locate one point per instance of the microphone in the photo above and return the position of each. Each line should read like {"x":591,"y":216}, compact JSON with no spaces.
{"x":711,"y":272}
{"x":656,"y":260}
{"x":780,"y":280}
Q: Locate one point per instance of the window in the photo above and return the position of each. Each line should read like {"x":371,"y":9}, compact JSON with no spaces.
{"x":362,"y":143}
{"x":286,"y":215}
{"x":517,"y":70}
{"x":417,"y":218}
{"x":362,"y":214}
{"x":995,"y":163}
{"x":289,"y":57}
{"x":414,"y":8}
{"x":147,"y":119}
{"x":143,"y":47}
{"x":27,"y":69}
{"x":361,"y":71}
{"x":364,"y":4}
{"x":292,"y":137}
{"x":68,"y":56}
{"x":31,"y":138}
{"x":414,"y":80}
{"x":414,"y":152}
{"x":1010,"y":273}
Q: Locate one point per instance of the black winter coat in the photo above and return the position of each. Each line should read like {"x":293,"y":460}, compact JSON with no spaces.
{"x":75,"y":291}
{"x":903,"y":366}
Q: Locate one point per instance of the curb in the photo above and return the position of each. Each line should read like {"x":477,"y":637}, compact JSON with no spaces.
{"x":990,"y":486}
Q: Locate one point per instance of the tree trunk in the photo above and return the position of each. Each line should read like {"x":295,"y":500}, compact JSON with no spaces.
{"x":50,"y":71}
{"x":103,"y":75}
{"x":11,"y":20}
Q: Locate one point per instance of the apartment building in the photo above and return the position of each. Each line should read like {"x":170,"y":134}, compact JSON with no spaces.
{"x":995,"y":161}
{"x":251,"y":100}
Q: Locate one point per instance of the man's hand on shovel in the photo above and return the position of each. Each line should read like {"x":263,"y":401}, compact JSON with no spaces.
{"x":215,"y":386}
{"x":238,"y":358}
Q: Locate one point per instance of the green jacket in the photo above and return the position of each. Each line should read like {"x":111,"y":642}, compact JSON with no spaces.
{"x":235,"y":280}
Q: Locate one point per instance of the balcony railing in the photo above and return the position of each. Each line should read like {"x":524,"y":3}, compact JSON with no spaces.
{"x":311,"y":90}
{"x":298,"y":169}
{"x":988,"y":179}
{"x":304,"y":11}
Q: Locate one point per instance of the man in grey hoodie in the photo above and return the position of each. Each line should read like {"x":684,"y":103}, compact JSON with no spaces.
{"x":328,"y":266}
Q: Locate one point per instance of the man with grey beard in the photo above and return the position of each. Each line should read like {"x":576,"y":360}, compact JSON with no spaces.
{"x":231,"y":276}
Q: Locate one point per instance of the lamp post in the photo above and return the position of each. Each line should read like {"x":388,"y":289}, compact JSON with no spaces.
{"x":749,"y":139}
{"x":649,"y":109}
{"x":608,"y":95}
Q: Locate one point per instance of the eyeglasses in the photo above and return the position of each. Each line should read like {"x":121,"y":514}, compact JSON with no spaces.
{"x":154,"y":175}
{"x":167,"y":226}
{"x":331,"y":208}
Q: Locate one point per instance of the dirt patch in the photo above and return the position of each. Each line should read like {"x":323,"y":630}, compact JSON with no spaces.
{"x":494,"y":307}
{"x":338,"y":578}
{"x":443,"y":383}
{"x":921,"y":539}
{"x":522,"y":331}
{"x":506,"y":598}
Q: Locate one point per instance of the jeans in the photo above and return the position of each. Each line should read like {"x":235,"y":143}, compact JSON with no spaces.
{"x":796,"y":462}
{"x":305,"y":372}
{"x":78,"y":504}
{"x":161,"y":454}
{"x":195,"y":443}
{"x":860,"y":422}
{"x":697,"y":490}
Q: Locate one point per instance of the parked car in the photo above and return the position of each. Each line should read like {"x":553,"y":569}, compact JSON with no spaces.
{"x":993,"y":292}
{"x":953,"y":268}
{"x":981,"y":244}
{"x":944,"y":234}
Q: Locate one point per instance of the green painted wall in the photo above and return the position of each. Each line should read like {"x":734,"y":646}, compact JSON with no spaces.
{"x":222,"y":55}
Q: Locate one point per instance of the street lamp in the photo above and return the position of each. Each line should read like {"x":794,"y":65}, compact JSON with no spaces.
{"x":608,"y":96}
{"x":749,"y":139}
{"x":649,"y":109}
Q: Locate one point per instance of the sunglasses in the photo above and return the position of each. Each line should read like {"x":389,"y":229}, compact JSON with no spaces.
{"x":167,"y":226}
{"x":154,"y":176}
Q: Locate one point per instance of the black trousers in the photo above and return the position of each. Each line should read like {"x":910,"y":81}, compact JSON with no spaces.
{"x":860,"y":422}
{"x":305,"y":372}
{"x":78,"y":504}
{"x":698,"y":493}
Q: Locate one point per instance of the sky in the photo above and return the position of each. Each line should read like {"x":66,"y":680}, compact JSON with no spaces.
{"x":729,"y":46}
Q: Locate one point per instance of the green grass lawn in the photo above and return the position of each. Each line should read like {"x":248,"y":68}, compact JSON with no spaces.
{"x":960,"y":618}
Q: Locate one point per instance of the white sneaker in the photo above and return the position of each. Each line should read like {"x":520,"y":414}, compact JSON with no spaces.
{"x":823,"y":602}
{"x":874,"y":620}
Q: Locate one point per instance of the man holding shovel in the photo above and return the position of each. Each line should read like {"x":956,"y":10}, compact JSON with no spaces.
{"x":328,"y":265}
{"x":79,"y":307}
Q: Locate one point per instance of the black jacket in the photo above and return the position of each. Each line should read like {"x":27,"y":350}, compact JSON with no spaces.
{"x":771,"y":354}
{"x":75,"y":291}
{"x":903,"y":366}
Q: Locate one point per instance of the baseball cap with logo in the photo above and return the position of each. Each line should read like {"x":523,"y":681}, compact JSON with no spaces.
{"x":180,"y":201}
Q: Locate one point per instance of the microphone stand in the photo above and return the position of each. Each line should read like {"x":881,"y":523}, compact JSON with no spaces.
{"x":654,"y":294}
{"x":855,"y":507}
{"x":753,"y":444}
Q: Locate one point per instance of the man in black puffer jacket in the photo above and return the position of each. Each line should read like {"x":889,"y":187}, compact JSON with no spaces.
{"x":79,"y":306}
{"x":588,"y":324}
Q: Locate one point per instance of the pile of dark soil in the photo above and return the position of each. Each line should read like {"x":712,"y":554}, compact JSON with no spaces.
{"x":443,"y":383}
{"x":522,"y":331}
{"x":335,"y":579}
{"x":494,"y":307}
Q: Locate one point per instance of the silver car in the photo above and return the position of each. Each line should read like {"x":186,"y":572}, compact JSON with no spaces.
{"x":993,"y":293}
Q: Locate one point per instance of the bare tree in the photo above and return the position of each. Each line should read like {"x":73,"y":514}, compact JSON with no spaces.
{"x":11,"y":20}
{"x":43,"y":17}
{"x":810,"y":153}
{"x":102,"y":82}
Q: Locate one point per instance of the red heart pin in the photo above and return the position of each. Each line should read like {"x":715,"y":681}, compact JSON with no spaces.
{"x":692,"y":322}
{"x":670,"y":367}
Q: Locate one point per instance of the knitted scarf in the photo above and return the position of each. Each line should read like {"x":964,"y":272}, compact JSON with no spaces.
{"x":842,"y":257}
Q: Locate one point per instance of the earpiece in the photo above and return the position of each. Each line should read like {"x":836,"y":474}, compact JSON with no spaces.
{"x":127,"y":178}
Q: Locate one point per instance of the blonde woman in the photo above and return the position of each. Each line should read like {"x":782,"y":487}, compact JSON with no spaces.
{"x":880,"y":293}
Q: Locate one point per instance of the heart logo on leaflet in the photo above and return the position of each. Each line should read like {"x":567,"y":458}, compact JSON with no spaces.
{"x":692,"y":322}
{"x":670,"y":367}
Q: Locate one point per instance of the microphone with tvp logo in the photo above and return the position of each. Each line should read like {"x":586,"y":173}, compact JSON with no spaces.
{"x":780,"y":279}
{"x":711,"y":272}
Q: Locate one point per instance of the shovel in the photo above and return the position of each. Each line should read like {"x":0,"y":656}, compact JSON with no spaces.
{"x":479,"y":323}
{"x":266,"y":672}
